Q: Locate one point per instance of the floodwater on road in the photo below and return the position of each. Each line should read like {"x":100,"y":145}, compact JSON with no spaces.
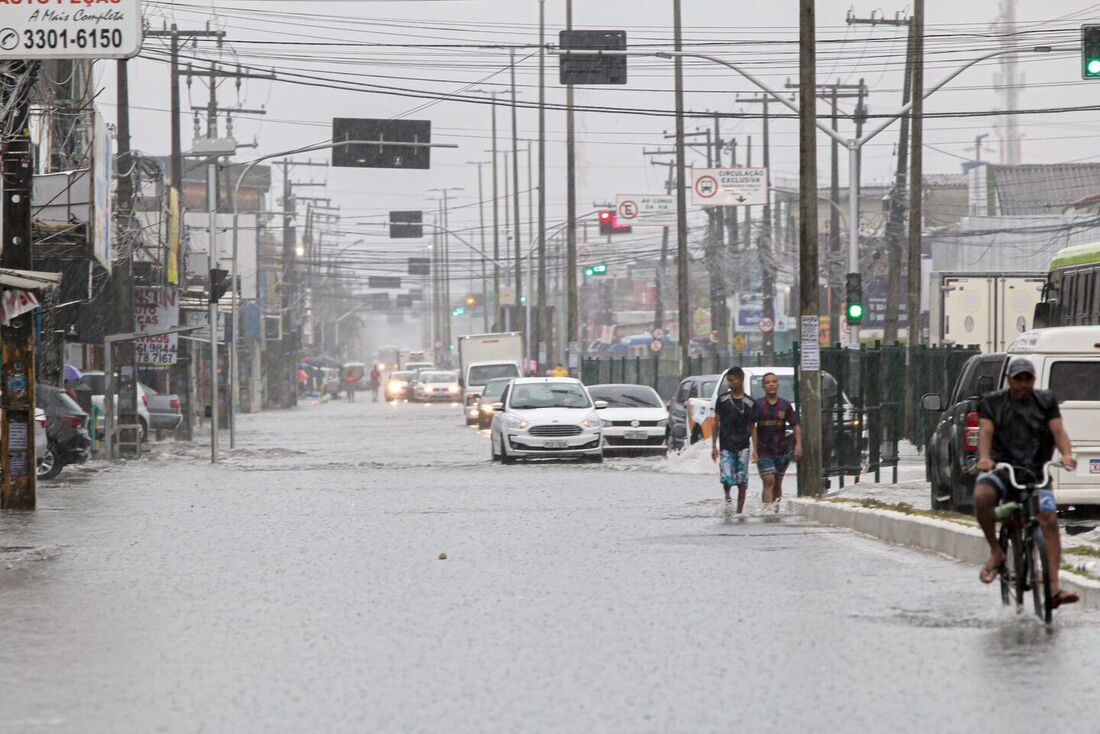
{"x":299,"y":586}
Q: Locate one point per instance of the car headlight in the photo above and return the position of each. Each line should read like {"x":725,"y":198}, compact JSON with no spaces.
{"x":662,"y":423}
{"x":452,"y":388}
{"x":592,"y":421}
{"x":517,"y":424}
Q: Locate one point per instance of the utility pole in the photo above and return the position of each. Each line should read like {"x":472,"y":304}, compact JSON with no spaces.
{"x":569,"y":340}
{"x":916,"y":205}
{"x":543,"y":316}
{"x":17,"y":485}
{"x":662,"y":267}
{"x":481,"y":229}
{"x":122,"y":272}
{"x":515,"y":190}
{"x":182,"y":382}
{"x":720,"y":315}
{"x":682,"y":265}
{"x":809,"y":468}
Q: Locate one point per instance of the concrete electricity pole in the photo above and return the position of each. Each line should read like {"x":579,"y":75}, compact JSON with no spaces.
{"x":682,"y":263}
{"x":572,"y":321}
{"x":809,"y":379}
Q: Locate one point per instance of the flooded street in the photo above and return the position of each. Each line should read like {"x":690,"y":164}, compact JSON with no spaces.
{"x":299,"y":587}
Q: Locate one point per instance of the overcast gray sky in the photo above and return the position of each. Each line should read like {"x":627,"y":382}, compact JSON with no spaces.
{"x":760,"y":35}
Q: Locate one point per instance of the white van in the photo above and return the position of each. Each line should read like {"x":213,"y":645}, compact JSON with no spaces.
{"x":1067,"y":361}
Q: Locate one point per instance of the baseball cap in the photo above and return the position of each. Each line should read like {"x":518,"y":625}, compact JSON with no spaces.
{"x":1019,"y":366}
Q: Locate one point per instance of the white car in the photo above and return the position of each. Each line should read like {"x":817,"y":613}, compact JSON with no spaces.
{"x":546,"y":417}
{"x":436,"y":386}
{"x":635,"y":419}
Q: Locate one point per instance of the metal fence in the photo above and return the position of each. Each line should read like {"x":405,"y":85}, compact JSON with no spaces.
{"x":870,"y":396}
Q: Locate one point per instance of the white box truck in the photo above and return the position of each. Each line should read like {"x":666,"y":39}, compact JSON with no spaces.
{"x":484,"y":357}
{"x":987,"y":309}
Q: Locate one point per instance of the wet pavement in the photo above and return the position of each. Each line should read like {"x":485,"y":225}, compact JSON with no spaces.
{"x":299,"y":587}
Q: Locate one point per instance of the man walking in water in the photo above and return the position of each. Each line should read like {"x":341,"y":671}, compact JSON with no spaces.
{"x":771,"y":447}
{"x":731,"y":436}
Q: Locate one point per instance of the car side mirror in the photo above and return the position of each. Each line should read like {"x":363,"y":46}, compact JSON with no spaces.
{"x":932,"y":402}
{"x":498,"y":407}
{"x":600,"y":404}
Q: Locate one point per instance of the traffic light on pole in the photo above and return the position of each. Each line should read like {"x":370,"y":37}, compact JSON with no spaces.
{"x":609,"y":223}
{"x":854,"y":299}
{"x":1090,"y":52}
{"x":458,"y":310}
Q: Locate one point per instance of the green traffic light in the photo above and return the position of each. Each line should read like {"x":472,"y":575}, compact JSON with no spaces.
{"x":855,"y":312}
{"x":1092,"y":67}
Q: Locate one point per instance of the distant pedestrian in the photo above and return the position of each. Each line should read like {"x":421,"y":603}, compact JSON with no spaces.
{"x":375,"y":381}
{"x":559,"y":371}
{"x":731,"y":436}
{"x":351,"y":382}
{"x":772,"y":450}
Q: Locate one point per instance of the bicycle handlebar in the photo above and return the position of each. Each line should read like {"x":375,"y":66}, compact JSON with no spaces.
{"x":1012,"y":473}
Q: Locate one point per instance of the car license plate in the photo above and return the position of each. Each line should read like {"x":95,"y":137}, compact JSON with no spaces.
{"x":556,"y":444}
{"x":636,"y":435}
{"x":1094,"y":466}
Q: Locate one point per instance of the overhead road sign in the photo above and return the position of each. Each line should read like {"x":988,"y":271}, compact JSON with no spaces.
{"x":646,"y":210}
{"x":393,"y":149}
{"x":420,"y":266}
{"x":406,"y":225}
{"x":729,"y":187}
{"x":71,"y":30}
{"x":383,"y":281}
{"x":582,"y":63}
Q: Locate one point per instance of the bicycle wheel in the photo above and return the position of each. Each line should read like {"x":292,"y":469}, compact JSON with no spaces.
{"x":1010,"y":547}
{"x":1039,"y":565}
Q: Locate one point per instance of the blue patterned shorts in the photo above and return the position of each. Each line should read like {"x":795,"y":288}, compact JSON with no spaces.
{"x":734,"y":467}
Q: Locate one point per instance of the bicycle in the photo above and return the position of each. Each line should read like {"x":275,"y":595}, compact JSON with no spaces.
{"x":1027,"y":564}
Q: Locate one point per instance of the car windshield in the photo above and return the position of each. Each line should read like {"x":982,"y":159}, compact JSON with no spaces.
{"x":786,"y":386}
{"x":481,"y":374}
{"x":148,"y":390}
{"x":96,"y":382}
{"x":440,"y":377}
{"x":67,"y":405}
{"x":401,"y":375}
{"x":708,"y":388}
{"x":626,"y":397}
{"x":494,"y":389}
{"x":549,"y":395}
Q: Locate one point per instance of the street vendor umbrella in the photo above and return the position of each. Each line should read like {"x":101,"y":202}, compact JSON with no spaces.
{"x":71,"y":373}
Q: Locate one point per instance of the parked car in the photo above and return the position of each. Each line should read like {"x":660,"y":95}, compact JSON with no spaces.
{"x":952,"y":449}
{"x":635,"y":419}
{"x":491,"y":394}
{"x":165,"y":413}
{"x":690,"y":388}
{"x":399,"y":385}
{"x":543,"y":417}
{"x":66,"y":429}
{"x":432,"y":386}
{"x":417,"y":366}
{"x":97,"y":382}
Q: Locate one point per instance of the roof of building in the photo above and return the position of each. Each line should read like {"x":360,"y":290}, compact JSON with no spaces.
{"x":1042,"y":188}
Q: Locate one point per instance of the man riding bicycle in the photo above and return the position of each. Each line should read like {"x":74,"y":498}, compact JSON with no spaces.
{"x":1020,"y":426}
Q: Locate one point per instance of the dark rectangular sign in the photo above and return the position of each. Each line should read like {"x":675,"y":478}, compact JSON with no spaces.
{"x":381,"y":140}
{"x":383,"y":281}
{"x":420,"y":266}
{"x":406,"y":225}
{"x":378,"y":301}
{"x":404,"y":300}
{"x":591,"y":68}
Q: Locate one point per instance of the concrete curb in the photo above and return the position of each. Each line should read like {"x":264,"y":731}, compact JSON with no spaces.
{"x":947,"y":538}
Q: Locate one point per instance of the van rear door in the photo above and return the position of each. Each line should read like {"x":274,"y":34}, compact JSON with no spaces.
{"x":1075,"y":380}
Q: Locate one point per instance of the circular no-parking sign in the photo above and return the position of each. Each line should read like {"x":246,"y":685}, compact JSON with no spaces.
{"x":766,"y":325}
{"x":628,"y":210}
{"x":658,"y":333}
{"x":656,"y":345}
{"x":706,"y":187}
{"x":713,"y":337}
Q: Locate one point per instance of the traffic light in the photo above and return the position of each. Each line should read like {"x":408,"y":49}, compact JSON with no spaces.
{"x":219,"y":284}
{"x":597,"y":269}
{"x":1090,"y":52}
{"x":854,"y":298}
{"x":458,"y":310}
{"x":472,"y":301}
{"x":609,"y":223}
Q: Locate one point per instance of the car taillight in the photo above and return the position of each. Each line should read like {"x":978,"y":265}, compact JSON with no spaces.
{"x":72,"y":421}
{"x":175,"y":405}
{"x":145,"y":400}
{"x":971,"y":432}
{"x":42,"y":422}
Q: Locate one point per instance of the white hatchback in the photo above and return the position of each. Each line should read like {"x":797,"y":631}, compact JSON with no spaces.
{"x":545,"y":417}
{"x":634,"y":420}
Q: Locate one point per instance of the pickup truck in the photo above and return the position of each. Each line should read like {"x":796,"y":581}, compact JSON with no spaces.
{"x":953,"y":447}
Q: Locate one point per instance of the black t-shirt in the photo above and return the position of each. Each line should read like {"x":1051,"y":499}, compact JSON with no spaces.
{"x":734,"y":422}
{"x":1021,"y":428}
